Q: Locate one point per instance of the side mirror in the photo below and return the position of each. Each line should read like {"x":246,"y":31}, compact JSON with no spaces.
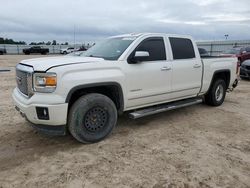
{"x":138,"y":56}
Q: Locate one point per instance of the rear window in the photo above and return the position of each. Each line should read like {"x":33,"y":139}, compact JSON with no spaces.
{"x":182,"y":48}
{"x":202,"y":51}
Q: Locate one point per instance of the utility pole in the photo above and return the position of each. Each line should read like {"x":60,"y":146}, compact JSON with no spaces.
{"x":74,"y":36}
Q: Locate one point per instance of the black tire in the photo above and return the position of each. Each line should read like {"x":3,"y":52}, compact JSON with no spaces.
{"x":92,"y":118}
{"x":1,"y":53}
{"x":64,"y":52}
{"x":217,"y":93}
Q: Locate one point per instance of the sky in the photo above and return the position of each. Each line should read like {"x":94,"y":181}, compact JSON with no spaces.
{"x":46,"y":20}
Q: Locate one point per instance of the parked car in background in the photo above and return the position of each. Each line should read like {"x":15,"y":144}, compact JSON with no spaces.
{"x":68,"y":50}
{"x":82,"y":48}
{"x":242,"y":53}
{"x":76,"y":53}
{"x":245,"y":69}
{"x":36,"y":49}
{"x":203,"y":52}
{"x":2,"y":51}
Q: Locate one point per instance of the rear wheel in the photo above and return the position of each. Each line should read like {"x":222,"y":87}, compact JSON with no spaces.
{"x":92,"y":118}
{"x":217,"y":93}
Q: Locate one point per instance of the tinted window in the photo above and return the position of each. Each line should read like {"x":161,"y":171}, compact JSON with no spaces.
{"x":248,"y":49}
{"x":155,"y":47}
{"x":182,"y":48}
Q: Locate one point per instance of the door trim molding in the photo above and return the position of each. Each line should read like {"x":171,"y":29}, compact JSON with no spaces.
{"x":134,"y":98}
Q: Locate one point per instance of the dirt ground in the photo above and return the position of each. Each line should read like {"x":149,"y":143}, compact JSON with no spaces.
{"x":197,"y":146}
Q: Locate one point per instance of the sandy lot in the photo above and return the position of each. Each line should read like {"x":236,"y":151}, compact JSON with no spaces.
{"x":198,"y":146}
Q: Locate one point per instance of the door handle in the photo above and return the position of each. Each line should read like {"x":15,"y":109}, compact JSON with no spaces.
{"x":165,"y":68}
{"x":197,"y":66}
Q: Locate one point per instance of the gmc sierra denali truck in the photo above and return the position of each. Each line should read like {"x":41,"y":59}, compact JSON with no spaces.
{"x":143,"y":74}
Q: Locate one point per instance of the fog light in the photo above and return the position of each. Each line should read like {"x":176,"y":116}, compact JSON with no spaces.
{"x":42,"y":113}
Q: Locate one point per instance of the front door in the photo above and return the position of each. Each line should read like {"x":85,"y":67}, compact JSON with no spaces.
{"x":149,"y":82}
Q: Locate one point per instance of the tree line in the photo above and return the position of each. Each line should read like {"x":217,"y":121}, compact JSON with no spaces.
{"x":11,"y":41}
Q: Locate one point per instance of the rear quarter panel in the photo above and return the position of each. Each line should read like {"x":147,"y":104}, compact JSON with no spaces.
{"x":212,"y":65}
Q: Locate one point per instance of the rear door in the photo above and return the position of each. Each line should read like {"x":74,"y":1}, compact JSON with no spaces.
{"x":149,"y":82}
{"x":187,"y":68}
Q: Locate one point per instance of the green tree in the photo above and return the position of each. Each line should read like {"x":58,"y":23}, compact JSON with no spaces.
{"x":54,"y":42}
{"x":10,"y":41}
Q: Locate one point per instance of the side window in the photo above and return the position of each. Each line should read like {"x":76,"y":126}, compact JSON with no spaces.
{"x":182,"y":48}
{"x":248,"y":49}
{"x":155,"y":47}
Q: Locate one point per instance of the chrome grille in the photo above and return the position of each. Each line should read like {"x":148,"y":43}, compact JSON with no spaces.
{"x":24,"y":79}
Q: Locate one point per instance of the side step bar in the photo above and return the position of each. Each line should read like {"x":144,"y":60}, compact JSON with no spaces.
{"x":164,"y":107}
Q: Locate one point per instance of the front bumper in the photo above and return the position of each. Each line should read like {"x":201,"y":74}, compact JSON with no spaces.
{"x":244,"y":73}
{"x":54,"y":125}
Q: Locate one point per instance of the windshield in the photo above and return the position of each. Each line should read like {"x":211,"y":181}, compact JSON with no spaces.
{"x":110,"y":49}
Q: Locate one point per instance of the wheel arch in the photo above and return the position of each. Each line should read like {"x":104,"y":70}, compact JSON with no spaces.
{"x":224,"y":74}
{"x":113,"y":90}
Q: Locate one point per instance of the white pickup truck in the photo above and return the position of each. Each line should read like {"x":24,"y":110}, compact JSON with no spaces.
{"x":140,"y":73}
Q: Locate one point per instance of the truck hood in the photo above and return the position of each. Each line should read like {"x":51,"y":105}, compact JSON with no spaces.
{"x":43,"y":64}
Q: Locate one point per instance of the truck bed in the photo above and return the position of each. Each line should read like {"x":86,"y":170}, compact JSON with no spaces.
{"x":213,"y":63}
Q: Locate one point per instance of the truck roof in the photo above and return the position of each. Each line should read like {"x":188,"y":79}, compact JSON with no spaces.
{"x":145,"y":34}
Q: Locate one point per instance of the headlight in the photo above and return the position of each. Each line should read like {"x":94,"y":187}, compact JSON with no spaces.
{"x":44,"y":82}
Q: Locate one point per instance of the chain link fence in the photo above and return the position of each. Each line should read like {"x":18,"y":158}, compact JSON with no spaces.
{"x":213,"y":47}
{"x":53,"y":49}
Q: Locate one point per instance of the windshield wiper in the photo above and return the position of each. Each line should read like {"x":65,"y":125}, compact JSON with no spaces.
{"x":94,"y":56}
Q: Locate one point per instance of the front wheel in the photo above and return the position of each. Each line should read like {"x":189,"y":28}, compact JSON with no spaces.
{"x":217,"y":93}
{"x":92,"y":117}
